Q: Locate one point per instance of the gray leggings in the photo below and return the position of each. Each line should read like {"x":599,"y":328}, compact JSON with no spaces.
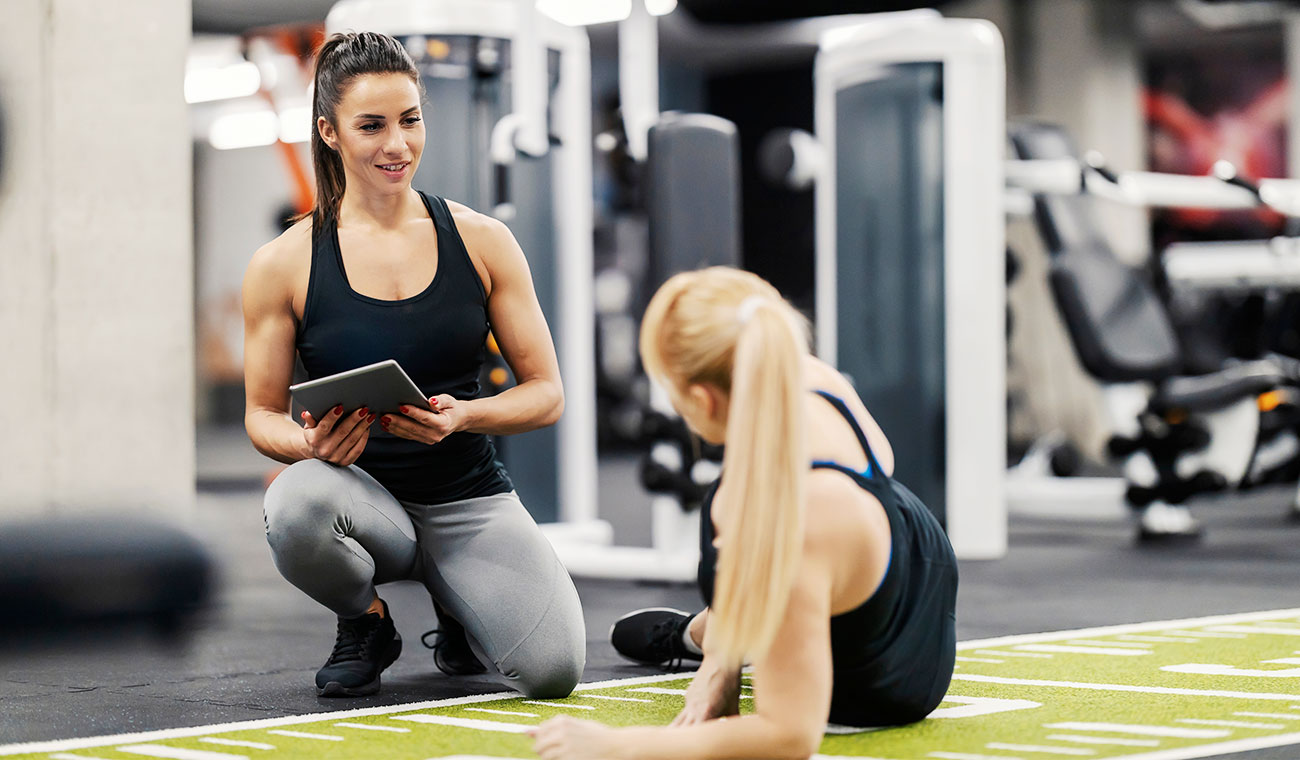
{"x":335,"y":533}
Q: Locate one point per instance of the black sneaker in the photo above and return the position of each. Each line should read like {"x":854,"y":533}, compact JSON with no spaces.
{"x":653,"y":636}
{"x":364,"y":647}
{"x":451,"y":652}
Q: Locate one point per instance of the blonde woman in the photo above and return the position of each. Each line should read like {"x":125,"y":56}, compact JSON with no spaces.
{"x":832,"y":579}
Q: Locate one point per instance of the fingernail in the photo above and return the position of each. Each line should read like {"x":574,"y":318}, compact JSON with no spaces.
{"x":401,"y":409}
{"x":304,"y":415}
{"x":338,"y":409}
{"x":384,"y":421}
{"x":433,"y":402}
{"x":362,"y":411}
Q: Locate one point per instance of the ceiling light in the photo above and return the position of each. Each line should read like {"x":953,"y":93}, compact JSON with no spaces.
{"x":236,"y":80}
{"x":247,"y":129}
{"x":585,"y":12}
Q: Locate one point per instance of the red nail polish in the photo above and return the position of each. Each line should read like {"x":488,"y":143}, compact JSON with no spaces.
{"x":401,"y":409}
{"x":385,"y":421}
{"x":362,"y":411}
{"x":338,"y":409}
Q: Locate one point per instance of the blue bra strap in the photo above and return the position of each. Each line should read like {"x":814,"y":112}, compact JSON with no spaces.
{"x":872,"y":465}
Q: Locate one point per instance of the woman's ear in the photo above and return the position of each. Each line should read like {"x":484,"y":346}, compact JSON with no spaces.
{"x":327,"y":132}
{"x":709,"y":402}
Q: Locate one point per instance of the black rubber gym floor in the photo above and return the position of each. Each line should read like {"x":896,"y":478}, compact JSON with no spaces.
{"x":254,"y":653}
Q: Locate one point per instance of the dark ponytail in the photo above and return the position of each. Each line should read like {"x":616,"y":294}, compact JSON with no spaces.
{"x":342,"y":58}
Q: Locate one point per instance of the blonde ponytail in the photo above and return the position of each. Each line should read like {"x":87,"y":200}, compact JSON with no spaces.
{"x":765,"y":463}
{"x":733,"y":330}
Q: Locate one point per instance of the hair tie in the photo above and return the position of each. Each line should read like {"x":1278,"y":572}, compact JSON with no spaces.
{"x":747,"y":307}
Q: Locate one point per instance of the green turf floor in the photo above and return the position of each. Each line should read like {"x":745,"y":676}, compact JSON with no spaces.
{"x":1160,"y":691}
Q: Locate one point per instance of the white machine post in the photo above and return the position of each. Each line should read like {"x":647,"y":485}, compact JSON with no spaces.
{"x":974,"y":302}
{"x":638,"y":76}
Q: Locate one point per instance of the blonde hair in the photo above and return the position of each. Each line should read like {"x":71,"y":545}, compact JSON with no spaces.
{"x":732,"y":329}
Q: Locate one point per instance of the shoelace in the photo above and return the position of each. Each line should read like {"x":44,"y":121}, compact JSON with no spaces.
{"x":353,"y":640}
{"x":437,"y":646}
{"x":665,"y":636}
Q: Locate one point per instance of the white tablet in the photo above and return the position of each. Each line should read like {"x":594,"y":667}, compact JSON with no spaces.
{"x":381,"y":387}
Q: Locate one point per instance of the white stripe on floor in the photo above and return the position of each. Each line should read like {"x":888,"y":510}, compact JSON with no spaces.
{"x":1076,"y":751}
{"x":236,"y":743}
{"x":978,"y":659}
{"x":1125,"y":687}
{"x":1275,"y":716}
{"x":68,"y":756}
{"x":657,"y":690}
{"x":369,"y":727}
{"x":555,"y":704}
{"x":966,"y":756}
{"x":1120,"y":644}
{"x":1014,"y":654}
{"x":502,"y":712}
{"x":1231,"y":723}
{"x":480,"y":725}
{"x":1272,"y":630}
{"x":1218,"y":748}
{"x":1104,"y":740}
{"x":176,"y":753}
{"x":1140,"y":730}
{"x":1158,"y":639}
{"x":1207,"y":634}
{"x":614,"y":699}
{"x":1059,"y":649}
{"x":305,"y":735}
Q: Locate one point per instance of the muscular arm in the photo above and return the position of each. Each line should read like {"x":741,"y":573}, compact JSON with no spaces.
{"x":537,"y":399}
{"x":269,"y":328}
{"x":792,"y":688}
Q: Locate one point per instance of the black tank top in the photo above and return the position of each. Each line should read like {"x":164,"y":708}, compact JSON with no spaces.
{"x":439,"y":336}
{"x":893,"y":655}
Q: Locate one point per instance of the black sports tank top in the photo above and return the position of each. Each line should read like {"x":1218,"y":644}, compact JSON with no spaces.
{"x":438,"y":336}
{"x":893,"y":655}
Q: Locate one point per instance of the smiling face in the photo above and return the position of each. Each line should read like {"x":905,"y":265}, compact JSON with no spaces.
{"x":378,"y":131}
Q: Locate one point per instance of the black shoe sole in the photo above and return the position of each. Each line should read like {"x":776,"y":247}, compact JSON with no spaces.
{"x":336,"y":689}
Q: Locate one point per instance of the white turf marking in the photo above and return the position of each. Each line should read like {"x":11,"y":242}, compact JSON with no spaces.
{"x":1125,"y":687}
{"x":555,"y":704}
{"x":1140,"y":730}
{"x":1161,"y":626}
{"x":66,"y":756}
{"x":60,"y":745}
{"x":502,"y":712}
{"x":368,"y":727}
{"x":1275,"y":716}
{"x":1041,"y":748}
{"x":1256,"y":629}
{"x":1219,"y":748}
{"x":480,"y":725}
{"x":1104,"y":740}
{"x":1001,"y":653}
{"x":1158,"y":639}
{"x":176,"y":753}
{"x":1231,"y":723}
{"x":979,"y":659}
{"x":1060,"y":649}
{"x":305,"y":735}
{"x":236,"y":743}
{"x":966,"y":756}
{"x":653,"y":690}
{"x":614,"y":699}
{"x":1165,"y":627}
{"x":1208,"y":634}
{"x":1095,"y":643}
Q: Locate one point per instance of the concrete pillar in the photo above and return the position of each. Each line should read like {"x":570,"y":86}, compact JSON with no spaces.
{"x":96,"y":261}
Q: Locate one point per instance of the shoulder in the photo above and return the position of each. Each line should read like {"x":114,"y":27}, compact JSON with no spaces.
{"x":479,"y":231}
{"x":273,"y":267}
{"x":833,"y":510}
